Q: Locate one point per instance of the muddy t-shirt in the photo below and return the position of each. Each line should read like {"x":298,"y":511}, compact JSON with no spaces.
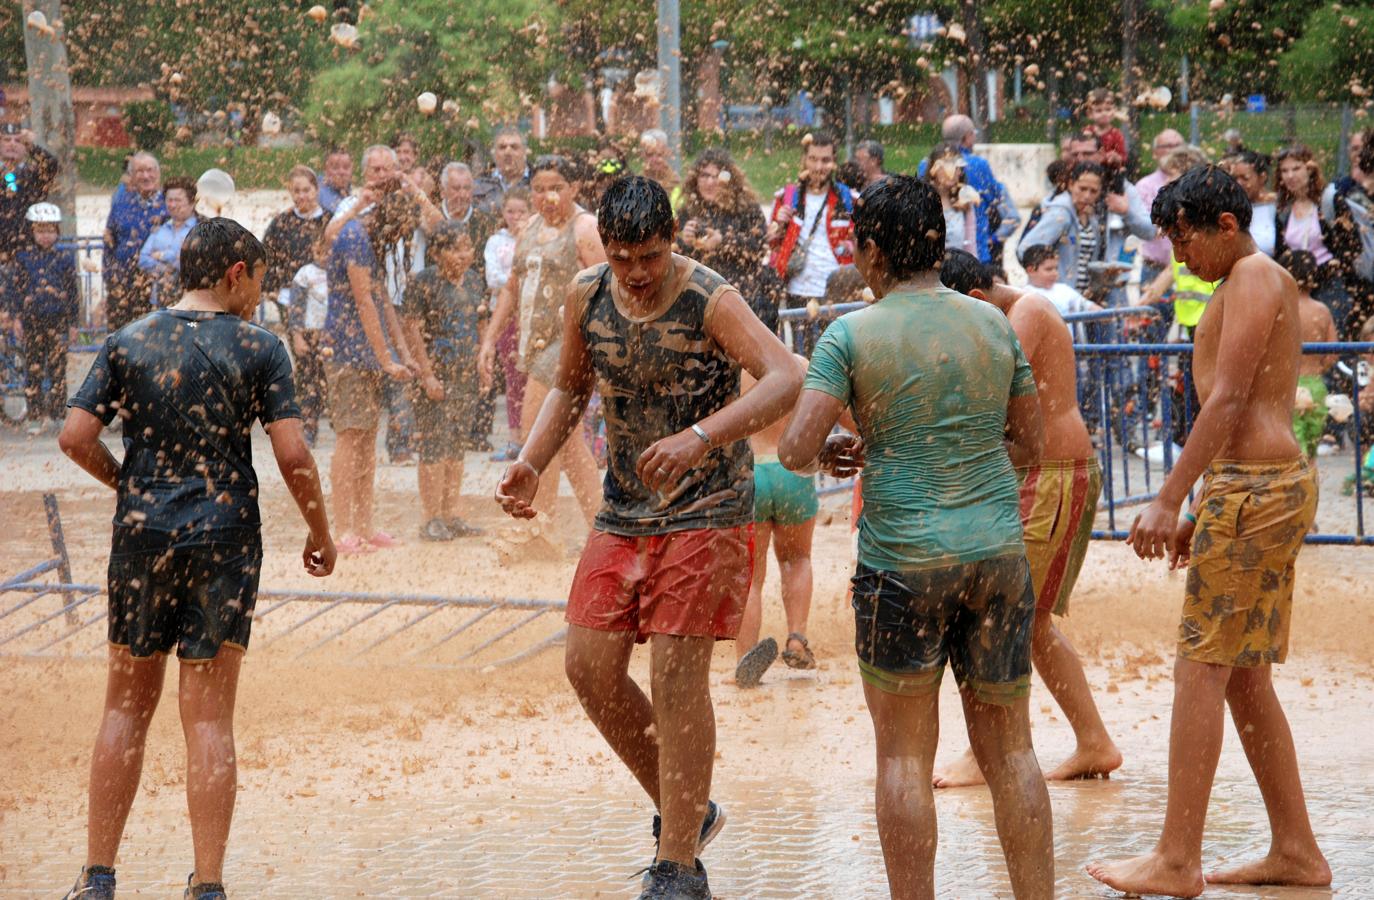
{"x":929,"y":375}
{"x":658,"y":375}
{"x":188,"y":387}
{"x":450,"y":315}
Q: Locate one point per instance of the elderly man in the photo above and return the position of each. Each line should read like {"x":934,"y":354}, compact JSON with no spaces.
{"x":960,"y":131}
{"x":458,"y":189}
{"x":1155,"y":254}
{"x":510,"y":157}
{"x":869,"y":156}
{"x":136,"y":210}
{"x":28,"y":171}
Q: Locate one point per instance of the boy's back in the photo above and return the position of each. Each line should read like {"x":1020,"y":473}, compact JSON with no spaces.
{"x":1318,"y":326}
{"x":189,"y":386}
{"x":929,"y":375}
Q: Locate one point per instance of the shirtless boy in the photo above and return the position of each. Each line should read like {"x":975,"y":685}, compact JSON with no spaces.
{"x":1258,"y":501}
{"x":785,"y":507}
{"x":668,"y":562}
{"x":187,"y":544}
{"x":1058,"y":503}
{"x":1318,"y":326}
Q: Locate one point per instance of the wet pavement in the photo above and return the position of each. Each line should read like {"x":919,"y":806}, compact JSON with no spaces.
{"x":795,"y":776}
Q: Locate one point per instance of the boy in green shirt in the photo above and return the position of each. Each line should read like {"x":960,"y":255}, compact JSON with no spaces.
{"x":946,"y":406}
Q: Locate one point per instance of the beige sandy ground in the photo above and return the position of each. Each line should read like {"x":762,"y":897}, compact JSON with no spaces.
{"x":421,"y":779}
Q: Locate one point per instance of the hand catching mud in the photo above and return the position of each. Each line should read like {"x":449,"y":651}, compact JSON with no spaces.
{"x":516,"y":491}
{"x":842,"y":455}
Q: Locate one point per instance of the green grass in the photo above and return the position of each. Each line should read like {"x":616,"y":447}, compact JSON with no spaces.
{"x":252,"y":167}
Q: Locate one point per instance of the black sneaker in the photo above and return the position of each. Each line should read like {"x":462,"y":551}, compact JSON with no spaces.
{"x":205,"y":890}
{"x":751,"y":666}
{"x":667,"y":879}
{"x":95,"y":883}
{"x":711,"y":825}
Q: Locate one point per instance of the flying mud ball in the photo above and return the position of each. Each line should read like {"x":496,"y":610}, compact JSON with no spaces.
{"x":318,"y":13}
{"x":427,"y":102}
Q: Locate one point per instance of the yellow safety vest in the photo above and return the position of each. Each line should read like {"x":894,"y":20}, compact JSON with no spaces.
{"x":1191,"y":294}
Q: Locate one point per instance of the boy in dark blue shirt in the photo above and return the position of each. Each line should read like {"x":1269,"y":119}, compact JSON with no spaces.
{"x":189,"y":381}
{"x":41,"y":292}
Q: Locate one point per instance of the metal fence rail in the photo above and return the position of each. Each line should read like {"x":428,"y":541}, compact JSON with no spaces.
{"x":427,"y":627}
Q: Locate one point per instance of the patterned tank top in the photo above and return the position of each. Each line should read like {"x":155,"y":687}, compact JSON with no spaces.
{"x":658,"y":375}
{"x":545,"y":264}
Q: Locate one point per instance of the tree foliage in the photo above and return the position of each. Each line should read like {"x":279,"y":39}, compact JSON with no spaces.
{"x":1334,"y":58}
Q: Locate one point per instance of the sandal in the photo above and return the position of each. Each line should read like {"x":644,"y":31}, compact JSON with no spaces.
{"x":798,"y":659}
{"x":751,"y":666}
{"x":436,"y":530}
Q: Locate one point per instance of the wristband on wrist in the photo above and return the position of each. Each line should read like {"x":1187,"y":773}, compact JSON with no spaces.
{"x":701,"y":433}
{"x":521,"y":461}
{"x":1190,"y":517}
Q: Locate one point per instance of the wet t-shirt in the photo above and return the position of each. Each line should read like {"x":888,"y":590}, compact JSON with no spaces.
{"x":188,"y":387}
{"x":658,"y":375}
{"x":929,"y":375}
{"x":450,"y":316}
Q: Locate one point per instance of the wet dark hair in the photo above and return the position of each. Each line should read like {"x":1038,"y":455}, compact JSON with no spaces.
{"x":1036,"y":254}
{"x":1302,"y":265}
{"x":553,"y":162}
{"x":1082,"y":136}
{"x":849,"y":175}
{"x":902,"y":216}
{"x":1199,"y":197}
{"x":963,"y":272}
{"x":633,"y":210}
{"x":212,"y":248}
{"x":446,"y":236}
{"x":1087,"y":168}
{"x":1057,"y":174}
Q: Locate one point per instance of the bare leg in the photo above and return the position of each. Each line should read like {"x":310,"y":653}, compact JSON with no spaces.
{"x":453,"y":485}
{"x":792,"y":544}
{"x":597,"y":664}
{"x":132,"y":690}
{"x":1095,"y":754}
{"x":1058,"y":664}
{"x":680,"y":670}
{"x":365,"y":484}
{"x":906,"y":728}
{"x":1000,"y":738}
{"x":207,"y":697}
{"x":1195,"y":735}
{"x":432,"y":488}
{"x":342,"y":475}
{"x":575,"y":456}
{"x":751,"y":623}
{"x":1294,"y":857}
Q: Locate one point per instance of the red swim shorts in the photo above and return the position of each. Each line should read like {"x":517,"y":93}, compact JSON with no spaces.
{"x":690,"y":583}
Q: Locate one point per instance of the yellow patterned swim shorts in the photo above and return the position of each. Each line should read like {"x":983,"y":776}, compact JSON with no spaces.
{"x":1250,"y":527}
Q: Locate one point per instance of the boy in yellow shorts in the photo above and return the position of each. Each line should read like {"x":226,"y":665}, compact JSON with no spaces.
{"x":1240,"y":543}
{"x":1058,"y":504}
{"x":1309,"y":411}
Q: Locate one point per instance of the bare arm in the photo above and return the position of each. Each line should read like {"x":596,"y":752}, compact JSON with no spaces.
{"x":80,"y":441}
{"x":1025,"y":431}
{"x":398,"y":335}
{"x":1155,"y":290}
{"x":416,"y":342}
{"x":1329,"y":336}
{"x":590,"y":252}
{"x":297,"y":466}
{"x":813,"y":418}
{"x":502,"y":310}
{"x":360,"y":282}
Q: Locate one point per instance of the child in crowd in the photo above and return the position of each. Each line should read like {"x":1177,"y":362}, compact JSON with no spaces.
{"x":1101,"y":110}
{"x":945,"y":173}
{"x":1309,"y":410}
{"x":443,"y":307}
{"x":1042,"y":271}
{"x":499,"y":255}
{"x":41,"y":293}
{"x":305,"y":322}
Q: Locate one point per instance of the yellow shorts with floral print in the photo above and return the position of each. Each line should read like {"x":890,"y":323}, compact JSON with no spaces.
{"x":1250,"y":527}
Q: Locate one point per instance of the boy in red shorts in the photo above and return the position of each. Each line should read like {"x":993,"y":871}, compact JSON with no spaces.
{"x":663,"y":338}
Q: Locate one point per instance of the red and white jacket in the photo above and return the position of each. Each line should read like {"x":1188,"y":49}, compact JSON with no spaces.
{"x":839,"y":225}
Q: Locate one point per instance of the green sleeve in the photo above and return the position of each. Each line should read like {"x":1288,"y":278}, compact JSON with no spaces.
{"x":1022,"y":378}
{"x":832,"y":364}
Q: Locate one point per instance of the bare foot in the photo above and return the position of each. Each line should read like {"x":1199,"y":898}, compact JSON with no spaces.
{"x":1149,"y":875}
{"x":1307,"y":871}
{"x":963,"y":773}
{"x":1087,"y":763}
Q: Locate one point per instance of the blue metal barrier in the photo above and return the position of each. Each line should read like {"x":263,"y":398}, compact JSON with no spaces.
{"x":1123,"y":421}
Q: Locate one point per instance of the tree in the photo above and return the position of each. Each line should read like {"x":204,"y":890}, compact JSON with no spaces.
{"x":1334,"y":58}
{"x":1235,"y":49}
